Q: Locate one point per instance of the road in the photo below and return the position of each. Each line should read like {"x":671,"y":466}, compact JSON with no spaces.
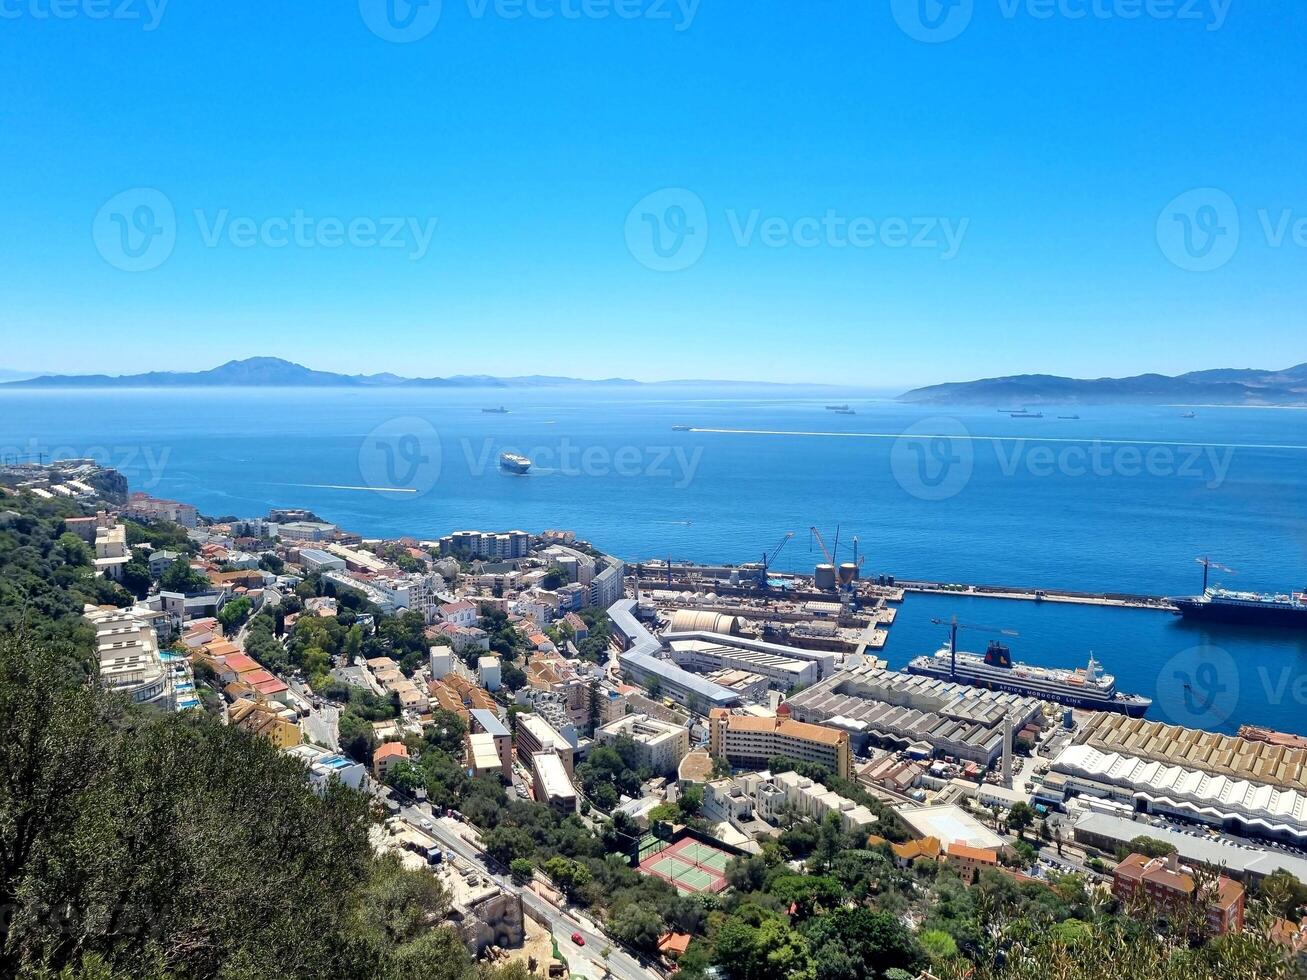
{"x":585,"y":961}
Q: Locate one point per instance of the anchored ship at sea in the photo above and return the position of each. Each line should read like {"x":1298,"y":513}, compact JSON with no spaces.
{"x":1248,"y":608}
{"x":514,"y":463}
{"x":1084,"y":687}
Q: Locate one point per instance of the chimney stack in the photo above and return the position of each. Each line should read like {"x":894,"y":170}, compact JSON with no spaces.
{"x":1007,"y":750}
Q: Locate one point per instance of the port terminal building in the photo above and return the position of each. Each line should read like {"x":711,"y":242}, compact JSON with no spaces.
{"x":922,"y":714}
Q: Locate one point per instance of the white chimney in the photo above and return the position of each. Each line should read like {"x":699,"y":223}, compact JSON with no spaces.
{"x":1007,"y":750}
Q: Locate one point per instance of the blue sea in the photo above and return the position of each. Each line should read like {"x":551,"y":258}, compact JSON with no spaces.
{"x":1120,"y":499}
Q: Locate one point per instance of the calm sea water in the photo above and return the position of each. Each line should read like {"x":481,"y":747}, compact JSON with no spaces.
{"x":1121,"y":499}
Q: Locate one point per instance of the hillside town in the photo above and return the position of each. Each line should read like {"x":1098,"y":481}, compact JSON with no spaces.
{"x":713,"y":730}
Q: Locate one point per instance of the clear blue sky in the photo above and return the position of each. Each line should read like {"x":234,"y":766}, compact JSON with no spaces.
{"x":1058,"y":140}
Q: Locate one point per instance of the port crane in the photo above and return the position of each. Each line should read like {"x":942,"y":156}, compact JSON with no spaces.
{"x":953,"y":627}
{"x":1208,"y":565}
{"x":768,"y":559}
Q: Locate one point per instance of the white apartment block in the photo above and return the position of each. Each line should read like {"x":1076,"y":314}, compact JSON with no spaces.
{"x":661,"y":745}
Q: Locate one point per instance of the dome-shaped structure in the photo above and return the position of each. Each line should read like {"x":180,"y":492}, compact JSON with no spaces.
{"x":704,"y":621}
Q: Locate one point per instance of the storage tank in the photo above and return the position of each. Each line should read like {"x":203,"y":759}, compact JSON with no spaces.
{"x":848,"y":573}
{"x":825,"y":577}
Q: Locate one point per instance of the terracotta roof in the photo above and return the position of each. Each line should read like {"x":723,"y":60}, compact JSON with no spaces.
{"x":986,"y":855}
{"x":388,"y":750}
{"x":913,"y":849}
{"x":674,"y":943}
{"x":241,"y":663}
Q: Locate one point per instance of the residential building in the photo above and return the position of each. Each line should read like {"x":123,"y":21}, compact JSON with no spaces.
{"x":488,"y":673}
{"x":553,"y":782}
{"x":386,"y":757}
{"x":747,"y":740}
{"x":324,"y":766}
{"x":276,"y":723}
{"x":482,"y":544}
{"x":1169,"y":886}
{"x":111,"y":552}
{"x":660,"y":746}
{"x":969,"y":861}
{"x":484,"y":724}
{"x":536,"y":736}
{"x":129,"y":657}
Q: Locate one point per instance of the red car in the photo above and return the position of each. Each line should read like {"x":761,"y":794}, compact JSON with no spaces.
{"x":578,"y":939}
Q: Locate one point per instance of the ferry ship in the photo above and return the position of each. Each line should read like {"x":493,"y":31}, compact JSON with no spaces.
{"x":1085,"y":687}
{"x":1248,"y":608}
{"x":514,"y":463}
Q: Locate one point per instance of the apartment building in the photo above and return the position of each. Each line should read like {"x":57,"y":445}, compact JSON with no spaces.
{"x":660,"y":745}
{"x":746,"y":740}
{"x":1169,"y":886}
{"x":535,"y":735}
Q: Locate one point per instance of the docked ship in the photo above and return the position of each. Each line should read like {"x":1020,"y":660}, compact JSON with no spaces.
{"x":1084,"y":687}
{"x":1247,"y":608}
{"x":514,"y":463}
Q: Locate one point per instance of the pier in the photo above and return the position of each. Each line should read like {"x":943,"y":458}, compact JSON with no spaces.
{"x":1122,"y":600}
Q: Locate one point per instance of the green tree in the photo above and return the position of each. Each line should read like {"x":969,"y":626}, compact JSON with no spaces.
{"x":1020,"y":817}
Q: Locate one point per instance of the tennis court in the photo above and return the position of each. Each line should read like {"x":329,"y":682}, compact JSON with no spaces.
{"x":691,"y":866}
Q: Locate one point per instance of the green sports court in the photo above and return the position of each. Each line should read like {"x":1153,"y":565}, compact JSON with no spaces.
{"x":690,"y":865}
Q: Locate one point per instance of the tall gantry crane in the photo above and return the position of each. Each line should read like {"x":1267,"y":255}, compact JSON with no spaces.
{"x":1208,"y":565}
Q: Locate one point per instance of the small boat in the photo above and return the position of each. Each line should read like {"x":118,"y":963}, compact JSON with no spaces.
{"x":837,"y":408}
{"x":1189,"y":415}
{"x":680,"y":428}
{"x":1026,"y":415}
{"x":514,"y":463}
{"x":1072,"y":418}
{"x":501,"y":410}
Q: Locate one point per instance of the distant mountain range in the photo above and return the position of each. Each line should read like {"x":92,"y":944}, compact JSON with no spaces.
{"x":275,"y":372}
{"x":1222,"y":386}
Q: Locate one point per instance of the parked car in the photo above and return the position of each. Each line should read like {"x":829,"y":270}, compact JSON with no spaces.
{"x":578,"y":939}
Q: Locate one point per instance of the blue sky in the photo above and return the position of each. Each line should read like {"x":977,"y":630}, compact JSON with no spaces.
{"x":859,"y":206}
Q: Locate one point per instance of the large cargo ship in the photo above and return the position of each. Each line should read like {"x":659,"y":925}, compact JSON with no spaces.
{"x":514,"y":463}
{"x":1084,"y":687}
{"x":1250,"y":608}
